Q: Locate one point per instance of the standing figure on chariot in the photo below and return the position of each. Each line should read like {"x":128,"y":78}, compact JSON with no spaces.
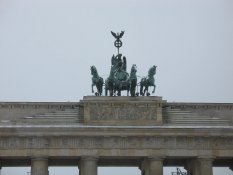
{"x":119,"y":68}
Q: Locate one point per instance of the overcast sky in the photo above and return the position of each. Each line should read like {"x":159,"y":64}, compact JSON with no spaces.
{"x":48,"y":46}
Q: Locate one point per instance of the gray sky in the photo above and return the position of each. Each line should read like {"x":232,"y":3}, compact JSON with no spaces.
{"x":48,"y":46}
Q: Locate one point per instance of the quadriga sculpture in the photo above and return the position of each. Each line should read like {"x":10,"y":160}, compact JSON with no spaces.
{"x":118,"y":79}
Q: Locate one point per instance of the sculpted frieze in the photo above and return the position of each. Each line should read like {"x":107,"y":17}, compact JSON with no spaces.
{"x":117,"y":142}
{"x":122,"y":112}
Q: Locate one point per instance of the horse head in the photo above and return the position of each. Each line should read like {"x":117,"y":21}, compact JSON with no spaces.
{"x":152,"y":71}
{"x":93,"y":70}
{"x":133,"y":69}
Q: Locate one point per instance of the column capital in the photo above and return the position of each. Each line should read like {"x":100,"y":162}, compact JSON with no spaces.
{"x":206,"y":158}
{"x":156,"y":158}
{"x":89,"y":158}
{"x":39,"y":157}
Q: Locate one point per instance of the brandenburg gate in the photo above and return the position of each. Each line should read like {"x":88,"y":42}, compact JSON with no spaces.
{"x":145,"y":132}
{"x":138,"y":130}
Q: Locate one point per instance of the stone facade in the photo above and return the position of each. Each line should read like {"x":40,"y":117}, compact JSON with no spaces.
{"x":122,"y":110}
{"x":147,"y":132}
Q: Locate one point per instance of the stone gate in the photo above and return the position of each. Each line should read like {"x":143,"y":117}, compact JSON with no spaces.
{"x":146,"y":132}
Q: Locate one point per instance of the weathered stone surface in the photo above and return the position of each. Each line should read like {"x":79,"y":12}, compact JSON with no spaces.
{"x":118,"y":142}
{"x":122,"y":110}
{"x":117,"y":130}
{"x":39,"y":166}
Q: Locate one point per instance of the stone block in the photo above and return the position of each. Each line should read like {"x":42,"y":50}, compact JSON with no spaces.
{"x":122,"y":111}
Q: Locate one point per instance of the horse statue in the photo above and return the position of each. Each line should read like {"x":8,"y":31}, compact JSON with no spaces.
{"x":148,"y":81}
{"x":133,"y":80}
{"x":96,"y":81}
{"x":109,"y":83}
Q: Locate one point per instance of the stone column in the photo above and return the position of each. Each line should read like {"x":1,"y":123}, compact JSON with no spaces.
{"x":0,"y":167}
{"x":39,"y":166}
{"x":206,"y":166}
{"x":231,"y":167}
{"x":152,"y":166}
{"x":189,"y":171}
{"x":88,"y":166}
{"x":200,"y":166}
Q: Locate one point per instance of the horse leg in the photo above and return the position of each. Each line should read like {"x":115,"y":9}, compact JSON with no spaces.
{"x":114,"y":92}
{"x":101,"y":89}
{"x":153,"y":89}
{"x":106,"y":91}
{"x":92,"y":90}
{"x":146,"y":89}
{"x":97,"y":93}
{"x":141,"y":89}
{"x":132,"y":90}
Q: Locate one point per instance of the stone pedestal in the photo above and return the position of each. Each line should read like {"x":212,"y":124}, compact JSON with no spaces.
{"x":122,"y":110}
{"x":39,"y":166}
{"x":88,"y":166}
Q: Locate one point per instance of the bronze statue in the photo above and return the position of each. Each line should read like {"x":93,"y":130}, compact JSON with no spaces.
{"x":148,"y":81}
{"x":96,"y":81}
{"x":133,"y":80}
{"x":118,"y":79}
{"x":109,"y":82}
{"x":118,"y":42}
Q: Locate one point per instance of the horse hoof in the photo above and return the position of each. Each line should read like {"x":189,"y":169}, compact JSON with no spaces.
{"x":137,"y":94}
{"x":96,"y":94}
{"x":147,"y":94}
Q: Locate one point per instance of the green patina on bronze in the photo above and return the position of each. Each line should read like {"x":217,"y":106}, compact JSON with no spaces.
{"x":118,"y":79}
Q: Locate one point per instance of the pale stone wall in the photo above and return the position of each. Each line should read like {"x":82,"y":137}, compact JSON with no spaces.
{"x":17,"y":110}
{"x":143,"y":132}
{"x":221,"y":110}
{"x":122,"y":110}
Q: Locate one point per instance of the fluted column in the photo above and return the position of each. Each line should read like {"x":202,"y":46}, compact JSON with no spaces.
{"x":231,"y":167}
{"x":200,"y":166}
{"x":190,"y":164}
{"x":152,"y":166}
{"x":88,"y":166}
{"x":206,"y":166}
{"x":39,"y":166}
